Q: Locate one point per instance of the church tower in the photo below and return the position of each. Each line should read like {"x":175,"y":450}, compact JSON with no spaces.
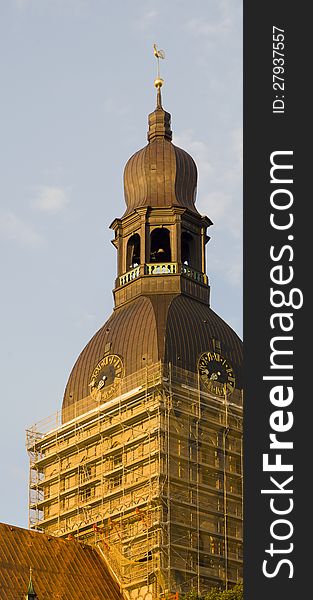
{"x":145,"y":458}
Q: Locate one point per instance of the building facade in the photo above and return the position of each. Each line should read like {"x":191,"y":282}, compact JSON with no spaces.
{"x":145,"y":458}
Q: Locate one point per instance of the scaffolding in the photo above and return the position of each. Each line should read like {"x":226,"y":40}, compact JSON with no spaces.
{"x":152,"y":477}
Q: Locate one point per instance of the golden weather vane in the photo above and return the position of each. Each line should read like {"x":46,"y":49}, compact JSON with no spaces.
{"x":158,"y":82}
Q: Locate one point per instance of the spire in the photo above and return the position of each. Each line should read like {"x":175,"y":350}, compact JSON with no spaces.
{"x":159,"y":97}
{"x":159,"y":120}
{"x":158,"y":82}
{"x":31,"y":594}
{"x":160,"y":174}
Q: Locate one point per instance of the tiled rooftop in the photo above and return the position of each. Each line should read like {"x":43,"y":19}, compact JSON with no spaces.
{"x":61,"y":569}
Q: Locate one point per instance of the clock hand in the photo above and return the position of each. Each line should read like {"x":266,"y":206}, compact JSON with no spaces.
{"x":215,"y":376}
{"x":101,"y":382}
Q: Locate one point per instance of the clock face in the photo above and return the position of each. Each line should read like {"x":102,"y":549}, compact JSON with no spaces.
{"x":106,"y":377}
{"x":216,"y":373}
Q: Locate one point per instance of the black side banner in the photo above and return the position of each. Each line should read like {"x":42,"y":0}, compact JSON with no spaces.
{"x":277,"y":307}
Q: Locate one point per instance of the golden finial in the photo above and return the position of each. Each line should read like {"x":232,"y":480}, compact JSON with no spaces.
{"x":158,"y":82}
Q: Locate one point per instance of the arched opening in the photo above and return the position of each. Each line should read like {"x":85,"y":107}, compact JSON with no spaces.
{"x":133,"y":252}
{"x":187,"y":248}
{"x":160,"y":249}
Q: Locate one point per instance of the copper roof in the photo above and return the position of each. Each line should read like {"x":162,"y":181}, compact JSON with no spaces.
{"x":160,"y":174}
{"x":190,"y":330}
{"x":64,"y":569}
{"x":173,"y":328}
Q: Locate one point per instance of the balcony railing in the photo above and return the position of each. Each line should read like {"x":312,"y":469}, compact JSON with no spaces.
{"x":201,"y":277}
{"x":161,"y":268}
{"x":166,"y":268}
{"x":130,"y":275}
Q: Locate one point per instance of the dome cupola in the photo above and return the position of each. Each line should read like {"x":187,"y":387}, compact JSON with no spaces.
{"x":160,"y":174}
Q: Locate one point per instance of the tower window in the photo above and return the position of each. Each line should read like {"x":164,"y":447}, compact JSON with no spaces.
{"x":160,"y":245}
{"x":133,"y":251}
{"x":216,"y":345}
{"x":187,"y":243}
{"x":87,"y":473}
{"x":86,"y":494}
{"x":117,"y":460}
{"x":115,"y":482}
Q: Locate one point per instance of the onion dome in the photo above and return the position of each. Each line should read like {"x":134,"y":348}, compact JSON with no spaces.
{"x":160,"y":174}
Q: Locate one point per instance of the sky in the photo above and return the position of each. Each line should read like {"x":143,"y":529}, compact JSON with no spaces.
{"x":77,"y":87}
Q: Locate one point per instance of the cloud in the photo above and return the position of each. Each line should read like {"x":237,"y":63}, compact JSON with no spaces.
{"x":223,"y":16}
{"x":237,"y":138}
{"x":50,"y":200}
{"x":220,"y":178}
{"x":198,"y":27}
{"x":227,"y":265}
{"x":145,"y":19}
{"x":233,"y":274}
{"x":20,"y":4}
{"x":14,"y":229}
{"x":220,"y":197}
{"x":217,"y":203}
{"x":198,"y":150}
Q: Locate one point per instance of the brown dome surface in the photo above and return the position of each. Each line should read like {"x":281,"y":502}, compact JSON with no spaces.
{"x":160,"y":174}
{"x":170,"y":328}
